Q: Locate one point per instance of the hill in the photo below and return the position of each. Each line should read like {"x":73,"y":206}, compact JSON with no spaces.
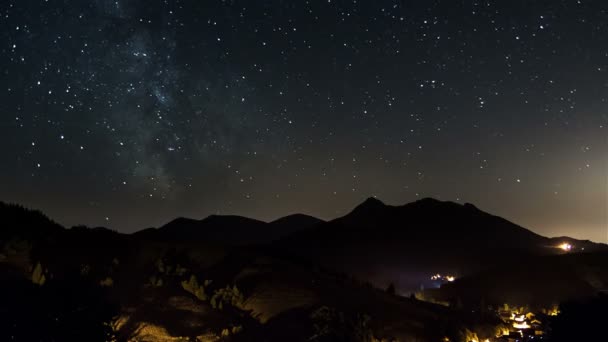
{"x":127,"y":288}
{"x":231,"y":278}
{"x":540,"y":282}
{"x":20,"y":222}
{"x":409,"y":243}
{"x":228,"y":230}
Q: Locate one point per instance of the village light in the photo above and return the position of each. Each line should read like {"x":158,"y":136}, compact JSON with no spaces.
{"x":566,"y":247}
{"x":523,"y":325}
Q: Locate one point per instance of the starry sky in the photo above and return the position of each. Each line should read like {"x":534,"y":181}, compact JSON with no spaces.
{"x":126,"y":114}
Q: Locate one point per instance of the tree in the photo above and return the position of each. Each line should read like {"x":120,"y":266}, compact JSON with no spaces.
{"x":193,"y":287}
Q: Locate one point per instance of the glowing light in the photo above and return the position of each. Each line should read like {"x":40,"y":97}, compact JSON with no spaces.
{"x":554,"y":311}
{"x":523,"y":325}
{"x":503,"y":332}
{"x":447,"y":278}
{"x":566,"y":247}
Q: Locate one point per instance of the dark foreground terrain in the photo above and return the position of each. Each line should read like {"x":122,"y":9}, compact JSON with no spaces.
{"x":362,"y":277}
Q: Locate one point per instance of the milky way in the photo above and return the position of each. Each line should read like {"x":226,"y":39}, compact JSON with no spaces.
{"x":129,"y":113}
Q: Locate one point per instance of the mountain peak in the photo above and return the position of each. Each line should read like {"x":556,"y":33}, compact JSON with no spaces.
{"x":294,"y":222}
{"x":371,"y":207}
{"x":372,"y":202}
{"x":296,"y":217}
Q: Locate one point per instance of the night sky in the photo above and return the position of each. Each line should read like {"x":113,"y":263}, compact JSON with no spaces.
{"x":127,"y":114}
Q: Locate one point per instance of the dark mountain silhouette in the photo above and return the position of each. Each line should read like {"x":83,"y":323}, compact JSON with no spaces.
{"x":294,"y":223}
{"x":231,"y":230}
{"x":94,"y":278}
{"x":427,"y":232}
{"x":228,"y":230}
{"x":434,"y":223}
{"x":298,"y":270}
{"x":385,"y":243}
{"x":445,"y":223}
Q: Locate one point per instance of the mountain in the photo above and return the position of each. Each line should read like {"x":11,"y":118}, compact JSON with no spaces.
{"x":437,"y":222}
{"x":294,"y":223}
{"x":228,"y":230}
{"x":232,"y":230}
{"x":407,"y":244}
{"x":302,"y":276}
{"x":430,"y":224}
{"x":152,"y":287}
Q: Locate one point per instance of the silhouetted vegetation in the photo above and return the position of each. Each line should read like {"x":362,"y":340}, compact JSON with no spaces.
{"x":72,"y":310}
{"x":193,"y":287}
{"x":85,"y":284}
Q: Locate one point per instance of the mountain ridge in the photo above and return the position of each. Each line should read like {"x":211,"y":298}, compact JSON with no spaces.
{"x":370,"y":206}
{"x":376,"y":242}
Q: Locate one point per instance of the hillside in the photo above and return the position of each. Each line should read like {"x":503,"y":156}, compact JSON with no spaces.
{"x":540,"y":282}
{"x":122,"y":287}
{"x":228,"y":230}
{"x":230,"y":278}
{"x":407,"y":244}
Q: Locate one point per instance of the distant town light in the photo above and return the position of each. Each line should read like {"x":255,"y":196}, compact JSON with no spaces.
{"x":566,"y":247}
{"x":520,"y":318}
{"x":440,"y":277}
{"x":554,"y":311}
{"x":523,"y":325}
